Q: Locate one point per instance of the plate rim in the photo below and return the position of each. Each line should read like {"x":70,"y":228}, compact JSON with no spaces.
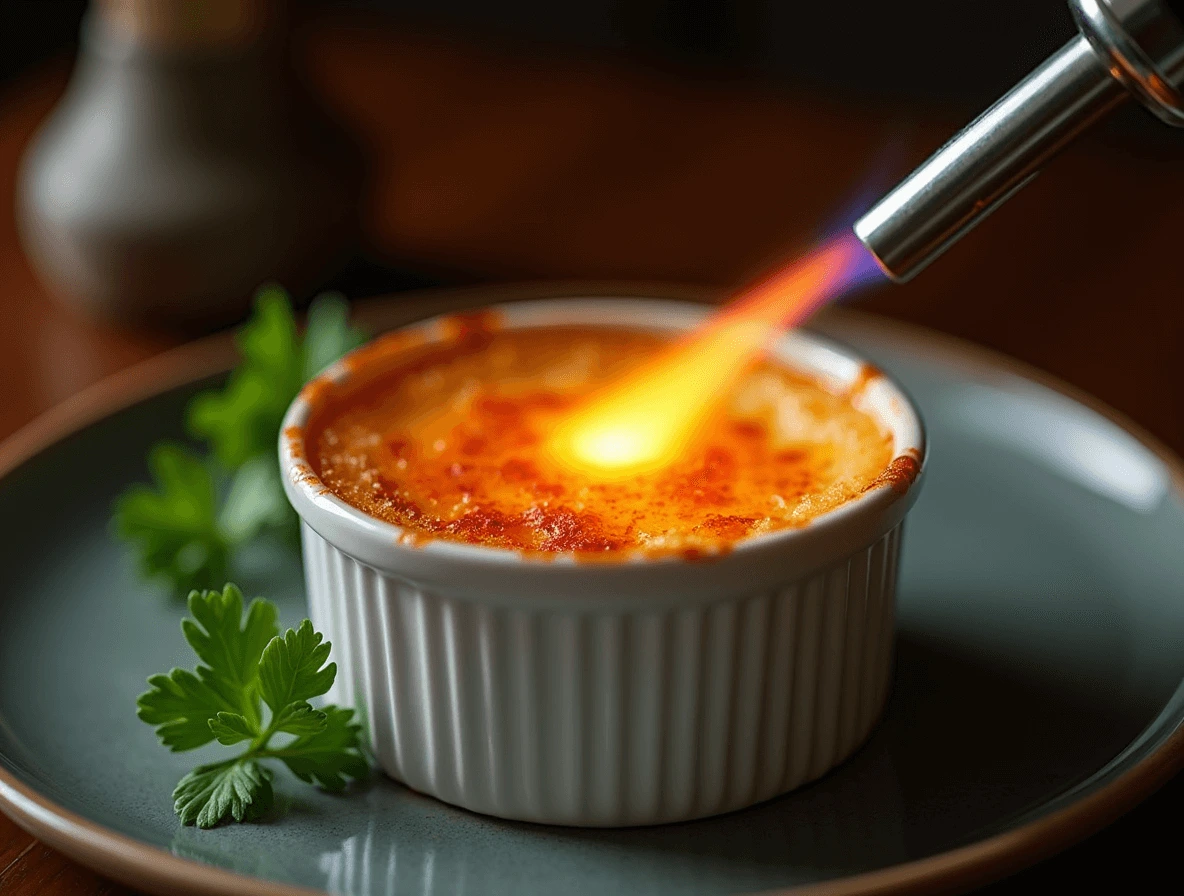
{"x":147,"y":867}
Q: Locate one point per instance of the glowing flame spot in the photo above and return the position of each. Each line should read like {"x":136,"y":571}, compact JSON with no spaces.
{"x":639,"y":423}
{"x":614,"y":446}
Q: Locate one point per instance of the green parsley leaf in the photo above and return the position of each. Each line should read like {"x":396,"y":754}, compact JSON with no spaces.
{"x":256,"y":501}
{"x":328,"y":335}
{"x":240,"y":789}
{"x":181,"y":706}
{"x":174,"y":523}
{"x":230,"y":728}
{"x":299,"y":718}
{"x":293,"y":668}
{"x":230,"y":653}
{"x":179,"y":531}
{"x":331,"y":755}
{"x":247,"y":665}
{"x":243,"y":420}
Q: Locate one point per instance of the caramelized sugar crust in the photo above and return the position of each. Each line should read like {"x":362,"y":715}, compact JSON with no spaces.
{"x":446,"y":441}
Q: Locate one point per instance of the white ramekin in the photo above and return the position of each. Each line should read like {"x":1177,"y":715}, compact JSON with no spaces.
{"x":606,"y":694}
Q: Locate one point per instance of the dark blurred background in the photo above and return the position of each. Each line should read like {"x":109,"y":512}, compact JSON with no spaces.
{"x":673,"y":117}
{"x":955,"y":56}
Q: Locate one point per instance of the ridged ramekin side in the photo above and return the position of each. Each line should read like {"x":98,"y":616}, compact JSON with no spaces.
{"x":611,"y":717}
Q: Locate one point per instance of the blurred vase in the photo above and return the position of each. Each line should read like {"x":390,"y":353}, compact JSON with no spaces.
{"x":183,"y":167}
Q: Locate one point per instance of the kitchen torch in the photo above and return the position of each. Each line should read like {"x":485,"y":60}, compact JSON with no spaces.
{"x":1125,"y":48}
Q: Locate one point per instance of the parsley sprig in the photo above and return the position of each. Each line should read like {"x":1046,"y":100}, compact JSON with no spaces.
{"x":187,"y":526}
{"x":252,"y":686}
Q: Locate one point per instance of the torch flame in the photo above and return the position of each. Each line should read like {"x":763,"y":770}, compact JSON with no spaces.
{"x":638,"y":423}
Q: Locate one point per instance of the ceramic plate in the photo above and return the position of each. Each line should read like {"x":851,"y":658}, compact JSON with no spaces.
{"x":1037,"y":693}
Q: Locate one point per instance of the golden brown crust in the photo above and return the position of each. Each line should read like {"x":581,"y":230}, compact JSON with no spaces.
{"x":448,"y":440}
{"x":900,"y":474}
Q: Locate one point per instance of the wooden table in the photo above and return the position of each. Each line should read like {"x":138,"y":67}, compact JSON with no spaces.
{"x":504,"y":165}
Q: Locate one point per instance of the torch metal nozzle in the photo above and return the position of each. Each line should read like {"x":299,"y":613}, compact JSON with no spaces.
{"x":1126,"y":47}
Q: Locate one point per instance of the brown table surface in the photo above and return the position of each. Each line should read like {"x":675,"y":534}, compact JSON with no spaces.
{"x":507,"y":165}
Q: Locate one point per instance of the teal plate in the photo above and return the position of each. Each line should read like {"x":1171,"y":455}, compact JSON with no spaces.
{"x":1037,"y":694}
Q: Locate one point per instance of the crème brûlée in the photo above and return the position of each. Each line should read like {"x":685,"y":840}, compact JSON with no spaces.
{"x":447,"y":440}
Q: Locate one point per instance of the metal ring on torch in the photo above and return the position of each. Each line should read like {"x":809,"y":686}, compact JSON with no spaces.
{"x":1111,"y":38}
{"x":1138,"y":44}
